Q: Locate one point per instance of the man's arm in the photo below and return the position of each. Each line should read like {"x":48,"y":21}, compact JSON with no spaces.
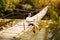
{"x":27,"y":19}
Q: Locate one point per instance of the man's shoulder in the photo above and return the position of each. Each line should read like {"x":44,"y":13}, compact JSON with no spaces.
{"x":27,"y":17}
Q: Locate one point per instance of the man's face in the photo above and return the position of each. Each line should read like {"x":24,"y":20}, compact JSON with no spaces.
{"x":30,"y":15}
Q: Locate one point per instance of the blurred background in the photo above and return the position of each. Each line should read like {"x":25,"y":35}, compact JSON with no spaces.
{"x":19,"y":9}
{"x":13,"y":11}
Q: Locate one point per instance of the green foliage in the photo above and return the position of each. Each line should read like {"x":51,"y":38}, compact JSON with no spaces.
{"x":53,"y":14}
{"x":55,"y":30}
{"x":5,"y":5}
{"x":53,"y":11}
{"x":40,"y":3}
{"x":35,"y":3}
{"x":26,"y":6}
{"x":16,"y":1}
{"x":8,"y":5}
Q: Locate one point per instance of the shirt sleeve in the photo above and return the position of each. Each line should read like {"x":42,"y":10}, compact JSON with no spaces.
{"x":27,"y":18}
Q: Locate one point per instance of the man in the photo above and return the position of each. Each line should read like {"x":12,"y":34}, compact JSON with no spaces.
{"x":30,"y":21}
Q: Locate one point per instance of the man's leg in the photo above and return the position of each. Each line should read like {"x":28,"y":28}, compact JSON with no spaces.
{"x":34,"y":29}
{"x":37,"y":27}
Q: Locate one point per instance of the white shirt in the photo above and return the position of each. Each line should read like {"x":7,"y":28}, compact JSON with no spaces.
{"x":30,"y":20}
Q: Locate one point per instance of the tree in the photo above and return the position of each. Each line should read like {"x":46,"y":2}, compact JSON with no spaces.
{"x":8,"y":5}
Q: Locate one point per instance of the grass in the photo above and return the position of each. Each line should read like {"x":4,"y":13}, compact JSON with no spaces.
{"x":5,"y":24}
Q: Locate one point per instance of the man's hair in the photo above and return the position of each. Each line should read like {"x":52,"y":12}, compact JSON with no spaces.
{"x":30,"y":13}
